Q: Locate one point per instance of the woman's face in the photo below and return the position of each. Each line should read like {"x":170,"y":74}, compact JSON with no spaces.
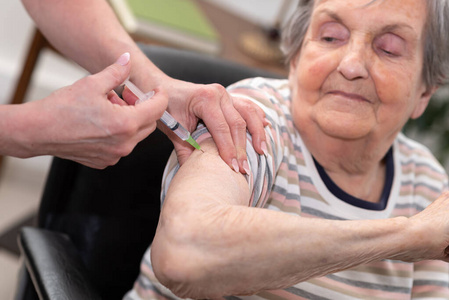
{"x":359,"y":72}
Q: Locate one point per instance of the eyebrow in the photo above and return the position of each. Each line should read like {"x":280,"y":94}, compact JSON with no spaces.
{"x":386,"y":28}
{"x":398,"y":26}
{"x":331,"y":14}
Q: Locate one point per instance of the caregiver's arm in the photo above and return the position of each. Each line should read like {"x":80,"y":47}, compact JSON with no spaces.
{"x":209,"y":243}
{"x":84,"y":122}
{"x":88,"y":32}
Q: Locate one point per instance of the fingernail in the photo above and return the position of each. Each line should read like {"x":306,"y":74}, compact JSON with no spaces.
{"x":235,"y":165}
{"x":246,"y":167}
{"x":269,"y":123}
{"x":123,"y":59}
{"x":264,"y":148}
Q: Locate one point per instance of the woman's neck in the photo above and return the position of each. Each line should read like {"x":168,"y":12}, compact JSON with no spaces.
{"x":357,"y":167}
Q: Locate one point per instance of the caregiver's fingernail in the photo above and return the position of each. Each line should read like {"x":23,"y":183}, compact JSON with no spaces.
{"x":123,"y":59}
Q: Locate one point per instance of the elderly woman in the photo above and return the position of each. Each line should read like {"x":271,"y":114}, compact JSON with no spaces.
{"x":342,"y":205}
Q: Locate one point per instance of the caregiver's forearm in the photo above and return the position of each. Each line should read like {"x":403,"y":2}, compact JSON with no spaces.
{"x":88,"y":32}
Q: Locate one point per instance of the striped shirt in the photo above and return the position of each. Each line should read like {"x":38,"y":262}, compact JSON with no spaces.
{"x":289,"y":180}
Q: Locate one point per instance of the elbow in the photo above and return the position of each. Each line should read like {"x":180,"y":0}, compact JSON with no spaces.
{"x":178,"y":263}
{"x":173,"y":272}
{"x":191,"y":255}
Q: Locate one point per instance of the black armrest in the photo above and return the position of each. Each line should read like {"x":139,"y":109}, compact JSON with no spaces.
{"x":54,"y":265}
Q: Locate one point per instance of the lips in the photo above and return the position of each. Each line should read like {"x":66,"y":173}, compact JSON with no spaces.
{"x":351,"y":96}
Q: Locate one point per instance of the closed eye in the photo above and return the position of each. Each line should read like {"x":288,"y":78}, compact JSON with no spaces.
{"x":328,"y":39}
{"x":390,"y":44}
{"x":332,"y":32}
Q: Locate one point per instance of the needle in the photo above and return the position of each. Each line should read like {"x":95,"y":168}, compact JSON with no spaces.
{"x":166,"y":118}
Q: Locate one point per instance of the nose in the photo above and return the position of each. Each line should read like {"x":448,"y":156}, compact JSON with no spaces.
{"x":353,"y":64}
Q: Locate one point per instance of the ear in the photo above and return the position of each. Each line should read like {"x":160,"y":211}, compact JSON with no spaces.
{"x":423,"y":102}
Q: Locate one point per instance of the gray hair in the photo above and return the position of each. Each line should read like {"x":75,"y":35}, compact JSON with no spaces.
{"x":436,"y":41}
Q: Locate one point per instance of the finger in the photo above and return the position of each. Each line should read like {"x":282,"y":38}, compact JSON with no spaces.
{"x":213,"y":116}
{"x":255,"y":120}
{"x":147,"y":113}
{"x":129,"y":96}
{"x":152,"y":108}
{"x":112,"y":76}
{"x":237,"y":127}
{"x":115,"y":99}
{"x":183,"y":149}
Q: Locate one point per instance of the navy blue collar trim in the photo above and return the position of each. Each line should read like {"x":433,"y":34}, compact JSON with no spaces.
{"x":342,"y":195}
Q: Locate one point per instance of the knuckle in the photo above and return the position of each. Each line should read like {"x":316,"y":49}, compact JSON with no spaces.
{"x":216,"y":87}
{"x":115,"y":74}
{"x":245,"y":105}
{"x":222,"y":127}
{"x":240,"y":123}
{"x":251,"y":109}
{"x":211,"y":91}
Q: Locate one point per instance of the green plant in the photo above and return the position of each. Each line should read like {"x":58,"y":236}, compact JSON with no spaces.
{"x":432,"y":128}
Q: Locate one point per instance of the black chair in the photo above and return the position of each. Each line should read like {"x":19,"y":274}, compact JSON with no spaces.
{"x":94,"y":225}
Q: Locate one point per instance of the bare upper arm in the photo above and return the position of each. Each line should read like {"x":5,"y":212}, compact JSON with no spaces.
{"x":206,"y":179}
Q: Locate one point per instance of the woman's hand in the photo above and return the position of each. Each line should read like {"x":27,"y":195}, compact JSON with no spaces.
{"x":227,"y":119}
{"x":430,"y":232}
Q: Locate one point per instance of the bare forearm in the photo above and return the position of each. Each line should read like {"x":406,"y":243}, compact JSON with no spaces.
{"x":6,"y":132}
{"x":88,"y":32}
{"x":267,"y":250}
{"x":17,"y":124}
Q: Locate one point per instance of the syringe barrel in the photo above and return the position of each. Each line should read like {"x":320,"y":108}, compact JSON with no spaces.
{"x":175,"y":126}
{"x":168,"y":120}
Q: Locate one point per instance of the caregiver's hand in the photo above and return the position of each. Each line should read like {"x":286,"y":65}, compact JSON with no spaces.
{"x":86,"y":122}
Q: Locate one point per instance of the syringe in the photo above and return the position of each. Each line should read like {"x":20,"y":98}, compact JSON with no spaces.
{"x":166,"y":118}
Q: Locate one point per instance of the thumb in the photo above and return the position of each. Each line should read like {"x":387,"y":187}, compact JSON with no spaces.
{"x":114,"y":75}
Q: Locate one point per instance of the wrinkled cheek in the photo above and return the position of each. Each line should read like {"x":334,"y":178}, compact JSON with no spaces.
{"x":307,"y":78}
{"x":314,"y":68}
{"x":393,"y":88}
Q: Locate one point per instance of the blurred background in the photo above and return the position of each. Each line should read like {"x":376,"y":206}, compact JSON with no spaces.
{"x":21,"y":180}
